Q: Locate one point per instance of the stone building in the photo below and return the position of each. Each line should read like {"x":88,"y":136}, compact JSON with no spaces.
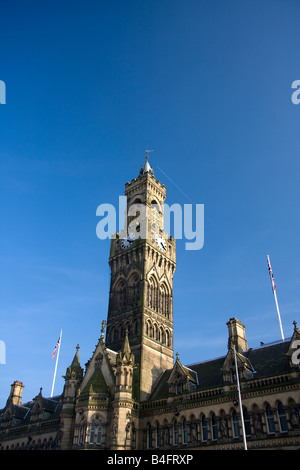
{"x":133,"y":393}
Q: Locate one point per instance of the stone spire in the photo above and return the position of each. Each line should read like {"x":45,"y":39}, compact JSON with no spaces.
{"x":74,"y":371}
{"x":146,"y":168}
{"x":125,"y":356}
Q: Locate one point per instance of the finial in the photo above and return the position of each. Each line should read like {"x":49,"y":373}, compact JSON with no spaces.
{"x":103,"y":328}
{"x":295,"y":325}
{"x":177,"y":356}
{"x":147,"y":151}
{"x":77,"y":347}
{"x":146,"y":168}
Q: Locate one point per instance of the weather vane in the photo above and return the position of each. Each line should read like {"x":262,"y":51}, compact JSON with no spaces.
{"x":147,"y":151}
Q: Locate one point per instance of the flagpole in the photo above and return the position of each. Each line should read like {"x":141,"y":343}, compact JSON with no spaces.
{"x":240,"y":400}
{"x":275,"y":295}
{"x":54,"y":376}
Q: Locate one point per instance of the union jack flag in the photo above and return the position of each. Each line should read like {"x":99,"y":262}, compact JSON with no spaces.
{"x":271,"y":274}
{"x":56,"y":346}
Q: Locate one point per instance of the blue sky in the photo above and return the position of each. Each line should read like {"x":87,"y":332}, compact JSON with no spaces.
{"x":90,"y":86}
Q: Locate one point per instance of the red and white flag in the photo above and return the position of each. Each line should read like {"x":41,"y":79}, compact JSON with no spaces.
{"x":271,"y":274}
{"x":56,"y":346}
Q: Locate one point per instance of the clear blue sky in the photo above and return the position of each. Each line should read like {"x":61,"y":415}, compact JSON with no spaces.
{"x":91,"y":85}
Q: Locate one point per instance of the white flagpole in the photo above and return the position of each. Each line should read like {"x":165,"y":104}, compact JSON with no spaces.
{"x":240,"y":400}
{"x":275,"y":295}
{"x":54,"y":376}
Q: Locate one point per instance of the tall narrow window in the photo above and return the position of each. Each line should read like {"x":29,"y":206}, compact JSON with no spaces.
{"x":175,"y":431}
{"x":82,"y":430}
{"x":282,"y":418}
{"x":136,"y":292}
{"x":92,"y":432}
{"x":185,"y":437}
{"x":235,"y":424}
{"x":99,"y":433}
{"x":167,"y":337}
{"x":204,"y":429}
{"x":247,"y":422}
{"x":158,"y":439}
{"x":149,"y":437}
{"x":214,"y":426}
{"x":270,"y":420}
{"x":166,"y":436}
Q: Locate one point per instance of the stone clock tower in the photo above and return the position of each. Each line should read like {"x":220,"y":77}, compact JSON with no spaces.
{"x":142,"y":262}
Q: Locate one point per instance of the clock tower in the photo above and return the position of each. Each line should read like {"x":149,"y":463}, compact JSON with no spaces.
{"x":142,"y":262}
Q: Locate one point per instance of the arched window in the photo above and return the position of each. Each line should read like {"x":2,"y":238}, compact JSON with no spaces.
{"x":175,"y":433}
{"x":282,"y":418}
{"x":167,"y":338}
{"x":92,"y":432}
{"x":136,"y":291}
{"x":158,"y":436}
{"x":247,"y":422}
{"x":155,"y":331}
{"x":120,"y":296}
{"x":149,"y":437}
{"x":161,"y":335}
{"x":95,"y":430}
{"x":193,"y":431}
{"x":81,"y":434}
{"x":235,"y":424}
{"x":99,"y":433}
{"x":185,"y":433}
{"x":151,"y":292}
{"x":214,"y":427}
{"x":166,"y":435}
{"x":134,"y":327}
{"x":270,"y":420}
{"x":178,"y":387}
{"x":155,"y":209}
{"x":204,"y":432}
{"x":123,"y":296}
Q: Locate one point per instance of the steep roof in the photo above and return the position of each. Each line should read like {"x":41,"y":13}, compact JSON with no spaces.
{"x":267,"y":360}
{"x":96,"y":383}
{"x":22,"y":413}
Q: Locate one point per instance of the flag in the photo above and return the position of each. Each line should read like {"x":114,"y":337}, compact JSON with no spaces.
{"x":271,"y":275}
{"x":56,"y":346}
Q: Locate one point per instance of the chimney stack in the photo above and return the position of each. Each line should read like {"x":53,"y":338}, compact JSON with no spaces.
{"x":237,"y":336}
{"x":16,"y":392}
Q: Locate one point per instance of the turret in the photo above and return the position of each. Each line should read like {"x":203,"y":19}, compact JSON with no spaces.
{"x":73,"y":378}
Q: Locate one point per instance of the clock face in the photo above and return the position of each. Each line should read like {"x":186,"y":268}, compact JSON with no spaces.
{"x":161,"y":243}
{"x":127,"y":242}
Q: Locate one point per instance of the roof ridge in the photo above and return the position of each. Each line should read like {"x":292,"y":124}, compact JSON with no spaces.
{"x":207,"y":360}
{"x":272,"y":343}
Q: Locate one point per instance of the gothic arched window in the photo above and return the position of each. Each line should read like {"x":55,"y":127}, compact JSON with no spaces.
{"x":185,"y":437}
{"x":92,"y":432}
{"x":270,"y":420}
{"x":204,"y":431}
{"x":235,"y":424}
{"x":175,"y":433}
{"x":247,"y":422}
{"x":158,"y":436}
{"x":99,"y":433}
{"x":214,"y":427}
{"x":282,"y":418}
{"x":149,"y":436}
